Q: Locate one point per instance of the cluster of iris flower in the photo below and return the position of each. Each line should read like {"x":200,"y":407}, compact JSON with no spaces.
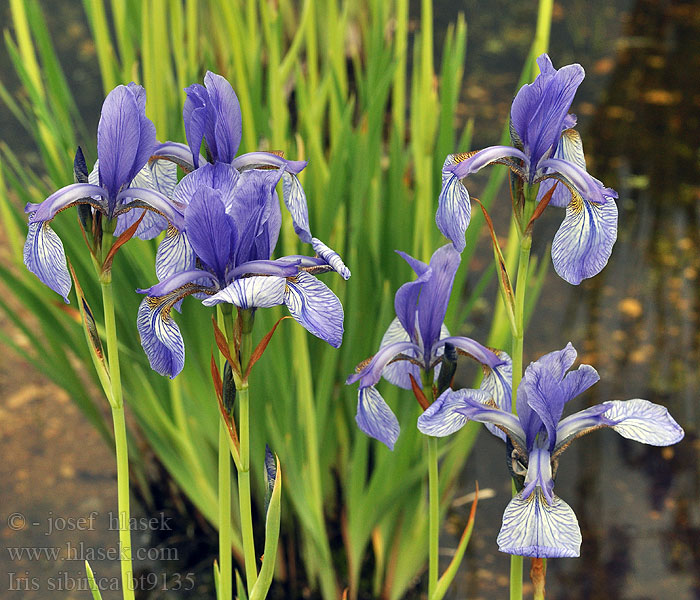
{"x":222,"y":219}
{"x":546,"y":150}
{"x":222,"y":222}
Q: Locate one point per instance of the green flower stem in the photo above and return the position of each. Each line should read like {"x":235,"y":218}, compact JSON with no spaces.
{"x":117,"y":404}
{"x":516,"y":562}
{"x":434,"y":508}
{"x":244,"y":501}
{"x":225,"y":561}
{"x":433,"y":497}
{"x":224,"y":476}
{"x":244,"y":496}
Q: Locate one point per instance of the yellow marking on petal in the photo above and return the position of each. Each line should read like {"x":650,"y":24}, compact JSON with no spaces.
{"x":171,"y":298}
{"x":363,"y":364}
{"x":576,"y":204}
{"x":462,"y":156}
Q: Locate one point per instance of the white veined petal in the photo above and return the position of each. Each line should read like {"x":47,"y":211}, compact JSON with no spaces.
{"x":331,"y":257}
{"x":442,"y":418}
{"x":643,"y":421}
{"x":164,"y":175}
{"x":497,"y":384}
{"x":454,"y":210}
{"x":295,"y":201}
{"x":375,"y":418}
{"x":397,"y":372}
{"x":175,"y":254}
{"x":584,"y":241}
{"x":315,"y":307}
{"x":532,"y":527}
{"x":45,"y":257}
{"x":160,"y":336}
{"x":251,"y":292}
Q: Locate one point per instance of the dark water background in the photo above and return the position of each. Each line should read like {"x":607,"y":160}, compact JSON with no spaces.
{"x":636,"y":322}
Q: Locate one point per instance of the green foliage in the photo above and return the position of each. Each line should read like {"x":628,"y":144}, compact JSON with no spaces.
{"x":323,"y":81}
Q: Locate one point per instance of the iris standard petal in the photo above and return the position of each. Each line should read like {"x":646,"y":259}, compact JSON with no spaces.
{"x":219,"y":176}
{"x":125,"y":140}
{"x":210,"y":230}
{"x":227,"y":114}
{"x":147,"y":137}
{"x":194,"y":114}
{"x":539,"y":109}
{"x":443,"y":417}
{"x":44,"y":256}
{"x":435,"y":294}
{"x":160,"y":336}
{"x":529,"y":419}
{"x":418,"y":266}
{"x":251,"y":292}
{"x":558,"y":362}
{"x":314,"y":306}
{"x":175,"y":254}
{"x":584,"y":241}
{"x":533,"y":527}
{"x":406,"y":304}
{"x":255,"y":212}
{"x":375,"y":418}
{"x":547,"y":395}
{"x":546,"y":392}
{"x":331,"y":257}
{"x":454,"y":208}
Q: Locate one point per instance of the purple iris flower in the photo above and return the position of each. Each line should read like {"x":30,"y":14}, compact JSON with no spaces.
{"x":536,"y":522}
{"x":222,"y":253}
{"x":121,"y":183}
{"x":416,"y":341}
{"x":212,"y":113}
{"x":547,"y":150}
